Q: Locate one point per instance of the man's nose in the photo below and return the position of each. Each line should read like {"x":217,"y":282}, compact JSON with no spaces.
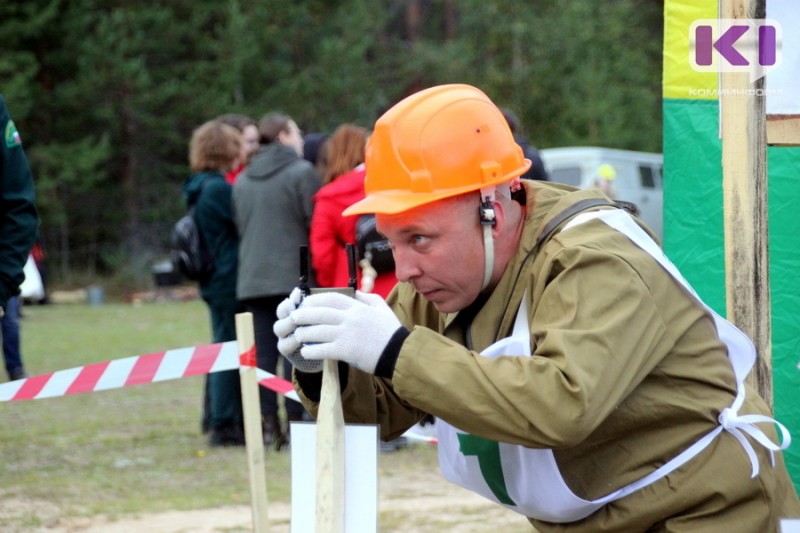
{"x":405,"y":268}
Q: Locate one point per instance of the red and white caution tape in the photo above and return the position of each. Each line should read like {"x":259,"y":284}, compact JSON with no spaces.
{"x":152,"y":368}
{"x":129,"y":371}
{"x":277,"y":384}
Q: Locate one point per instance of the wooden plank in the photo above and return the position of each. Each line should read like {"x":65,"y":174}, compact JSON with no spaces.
{"x":783,"y":130}
{"x":254,"y":439}
{"x":331,"y":430}
{"x":330,"y":445}
{"x":330,"y":453}
{"x":744,"y":182}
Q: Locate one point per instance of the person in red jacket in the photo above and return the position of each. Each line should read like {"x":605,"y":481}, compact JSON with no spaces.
{"x":343,"y":185}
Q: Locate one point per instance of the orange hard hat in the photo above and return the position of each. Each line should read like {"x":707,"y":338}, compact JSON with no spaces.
{"x":437,"y":143}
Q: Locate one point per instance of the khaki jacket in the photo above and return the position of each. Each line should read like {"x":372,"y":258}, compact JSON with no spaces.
{"x":627,"y":371}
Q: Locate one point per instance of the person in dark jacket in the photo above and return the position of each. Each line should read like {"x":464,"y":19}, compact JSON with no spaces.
{"x":18,"y":216}
{"x":215,"y":148}
{"x":272,"y":208}
{"x":19,"y":221}
{"x":537,"y":170}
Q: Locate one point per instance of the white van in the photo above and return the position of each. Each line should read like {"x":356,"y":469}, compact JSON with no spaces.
{"x":638,"y":176}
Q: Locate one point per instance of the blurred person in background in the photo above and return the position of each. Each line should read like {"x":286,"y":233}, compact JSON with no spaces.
{"x":272,"y":202}
{"x":40,"y":261}
{"x":537,"y":170}
{"x":315,"y":152}
{"x":214,"y":149}
{"x":249,"y":130}
{"x":19,"y":221}
{"x":343,"y":185}
{"x":604,"y":180}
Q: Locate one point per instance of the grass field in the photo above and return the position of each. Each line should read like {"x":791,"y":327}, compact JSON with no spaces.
{"x":119,"y":451}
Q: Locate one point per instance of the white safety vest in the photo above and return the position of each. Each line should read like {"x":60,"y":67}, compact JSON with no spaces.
{"x":527,"y":480}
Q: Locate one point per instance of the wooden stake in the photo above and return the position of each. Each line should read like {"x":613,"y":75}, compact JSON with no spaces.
{"x":330,"y":445}
{"x":744,"y":183}
{"x":330,"y":432}
{"x":330,"y":453}
{"x":251,"y":407}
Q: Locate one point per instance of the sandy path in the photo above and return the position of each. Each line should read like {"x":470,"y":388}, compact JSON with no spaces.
{"x":417,"y":501}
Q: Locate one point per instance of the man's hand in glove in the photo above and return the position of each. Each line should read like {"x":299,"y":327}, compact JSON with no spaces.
{"x":285,"y":327}
{"x":362,"y":331}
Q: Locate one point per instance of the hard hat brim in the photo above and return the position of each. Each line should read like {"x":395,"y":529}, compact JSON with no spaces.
{"x":396,"y":201}
{"x":391,"y":202}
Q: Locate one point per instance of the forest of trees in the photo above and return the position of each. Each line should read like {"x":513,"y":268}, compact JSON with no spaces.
{"x":105,"y":93}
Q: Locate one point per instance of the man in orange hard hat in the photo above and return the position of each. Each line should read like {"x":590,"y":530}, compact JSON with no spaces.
{"x":575,"y":376}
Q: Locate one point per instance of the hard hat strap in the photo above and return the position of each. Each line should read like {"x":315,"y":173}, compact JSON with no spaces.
{"x":488,"y":253}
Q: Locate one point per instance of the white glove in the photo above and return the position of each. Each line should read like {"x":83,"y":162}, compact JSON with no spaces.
{"x":285,"y":327}
{"x":354,"y":330}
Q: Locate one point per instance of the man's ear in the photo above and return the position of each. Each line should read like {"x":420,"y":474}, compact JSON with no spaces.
{"x":500,"y":218}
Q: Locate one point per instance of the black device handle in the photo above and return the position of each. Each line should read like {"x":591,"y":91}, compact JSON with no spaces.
{"x":304,"y":270}
{"x":352,"y":261}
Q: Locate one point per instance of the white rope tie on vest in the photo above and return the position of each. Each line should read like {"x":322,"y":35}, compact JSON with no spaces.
{"x":737,"y":425}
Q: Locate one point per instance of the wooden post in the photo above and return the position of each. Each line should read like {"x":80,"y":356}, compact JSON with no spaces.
{"x":744,"y":182}
{"x":251,"y":408}
{"x":330,"y":453}
{"x":783,"y":130}
{"x":330,"y":444}
{"x":330,"y":430}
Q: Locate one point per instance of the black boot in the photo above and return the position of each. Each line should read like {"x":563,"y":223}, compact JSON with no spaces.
{"x":17,"y":373}
{"x":227,"y":435}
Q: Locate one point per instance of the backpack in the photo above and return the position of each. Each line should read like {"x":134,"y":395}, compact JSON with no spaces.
{"x":188,"y":252}
{"x":372,"y":245}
